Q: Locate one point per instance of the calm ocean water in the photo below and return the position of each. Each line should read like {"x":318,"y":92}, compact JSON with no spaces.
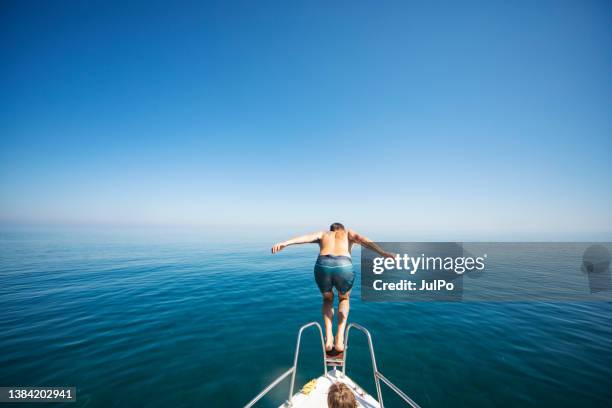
{"x":180,"y":321}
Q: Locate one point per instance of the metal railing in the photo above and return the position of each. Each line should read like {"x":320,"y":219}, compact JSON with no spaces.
{"x":378,"y":377}
{"x":297,"y":352}
{"x":399,"y":392}
{"x":377,"y":374}
{"x":269,"y":387}
{"x":293,"y":369}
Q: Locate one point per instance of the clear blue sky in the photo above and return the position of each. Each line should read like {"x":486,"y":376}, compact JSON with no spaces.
{"x":458,"y":117}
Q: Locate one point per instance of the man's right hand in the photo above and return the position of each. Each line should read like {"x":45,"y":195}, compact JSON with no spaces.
{"x":277,"y":247}
{"x":389,"y":254}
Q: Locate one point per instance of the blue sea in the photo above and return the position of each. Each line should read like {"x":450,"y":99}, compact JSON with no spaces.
{"x":179,"y":320}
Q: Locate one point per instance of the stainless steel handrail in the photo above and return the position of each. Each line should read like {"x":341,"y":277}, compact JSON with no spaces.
{"x":377,"y":374}
{"x":293,"y":369}
{"x":374,"y":368}
{"x":397,"y":391}
{"x":268,"y":388}
{"x":297,"y":352}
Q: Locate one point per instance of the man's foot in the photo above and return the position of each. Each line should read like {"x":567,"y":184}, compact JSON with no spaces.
{"x":329,"y":343}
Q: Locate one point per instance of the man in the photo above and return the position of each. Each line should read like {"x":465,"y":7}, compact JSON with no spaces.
{"x":334,"y":269}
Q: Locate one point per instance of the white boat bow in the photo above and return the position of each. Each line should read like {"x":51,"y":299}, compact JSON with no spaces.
{"x":316,"y":395}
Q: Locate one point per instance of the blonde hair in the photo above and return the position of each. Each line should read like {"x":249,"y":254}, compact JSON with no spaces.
{"x":340,"y":396}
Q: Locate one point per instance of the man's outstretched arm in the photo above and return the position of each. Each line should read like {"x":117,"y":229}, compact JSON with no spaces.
{"x":303,"y":239}
{"x":368,"y":243}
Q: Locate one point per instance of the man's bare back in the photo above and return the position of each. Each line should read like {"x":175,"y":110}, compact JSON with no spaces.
{"x":335,"y":243}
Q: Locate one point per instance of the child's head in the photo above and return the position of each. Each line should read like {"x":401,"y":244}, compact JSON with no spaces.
{"x":340,"y":396}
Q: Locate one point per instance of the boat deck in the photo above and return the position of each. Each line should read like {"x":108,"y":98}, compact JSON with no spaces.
{"x":317,"y":397}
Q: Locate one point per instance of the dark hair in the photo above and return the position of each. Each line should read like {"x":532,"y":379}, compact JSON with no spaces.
{"x":336,"y":226}
{"x":340,"y":396}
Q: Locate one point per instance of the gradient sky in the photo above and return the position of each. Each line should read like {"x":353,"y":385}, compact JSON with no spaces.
{"x":458,"y":117}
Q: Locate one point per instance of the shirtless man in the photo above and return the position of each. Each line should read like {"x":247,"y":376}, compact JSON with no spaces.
{"x":334,"y":269}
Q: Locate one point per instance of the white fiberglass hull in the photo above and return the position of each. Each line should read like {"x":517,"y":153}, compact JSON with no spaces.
{"x":317,"y":397}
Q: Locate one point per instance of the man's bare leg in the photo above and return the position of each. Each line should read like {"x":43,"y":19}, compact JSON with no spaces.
{"x":328,"y":318}
{"x":343,"y":311}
